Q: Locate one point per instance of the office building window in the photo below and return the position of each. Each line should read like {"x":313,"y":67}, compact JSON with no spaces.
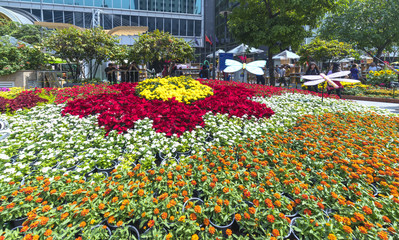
{"x":68,"y":17}
{"x":59,"y":1}
{"x":88,"y":19}
{"x":197,"y":7}
{"x":88,"y":2}
{"x":160,"y":24}
{"x":107,"y":21}
{"x":167,"y":27}
{"x":79,"y":19}
{"x":98,"y":3}
{"x":108,"y":3}
{"x":47,"y":15}
{"x":183,"y":6}
{"x":175,"y":26}
{"x":134,"y":21}
{"x":117,"y":4}
{"x":125,"y":20}
{"x":68,"y":2}
{"x":151,"y":24}
{"x":183,"y":27}
{"x":116,"y":20}
{"x":190,"y":28}
{"x":48,"y":1}
{"x":58,"y":16}
{"x":143,"y":4}
{"x":143,"y":21}
{"x":198,"y":29}
{"x":135,"y":4}
{"x":126,"y":4}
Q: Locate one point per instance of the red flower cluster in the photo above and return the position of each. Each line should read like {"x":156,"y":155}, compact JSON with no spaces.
{"x":119,"y":111}
{"x":24,"y":100}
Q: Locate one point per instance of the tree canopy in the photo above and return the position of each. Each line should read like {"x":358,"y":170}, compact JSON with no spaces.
{"x":157,"y":47}
{"x":28,"y":33}
{"x":275,"y":23}
{"x":76,"y":46}
{"x":370,"y":25}
{"x":325,"y":51}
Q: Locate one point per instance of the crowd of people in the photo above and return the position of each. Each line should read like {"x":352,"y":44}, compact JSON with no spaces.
{"x":128,"y":73}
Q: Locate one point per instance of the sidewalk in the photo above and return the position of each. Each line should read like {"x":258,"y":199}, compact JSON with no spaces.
{"x":393,"y":107}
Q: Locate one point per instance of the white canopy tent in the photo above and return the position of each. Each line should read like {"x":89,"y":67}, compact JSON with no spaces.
{"x":216,"y":53}
{"x":286,"y":55}
{"x":244,"y":49}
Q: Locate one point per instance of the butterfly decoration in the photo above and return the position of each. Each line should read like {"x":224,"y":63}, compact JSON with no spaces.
{"x":317,"y":79}
{"x":252,"y":67}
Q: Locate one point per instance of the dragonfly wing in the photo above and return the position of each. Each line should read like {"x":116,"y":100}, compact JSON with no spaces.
{"x":233,"y":69}
{"x":311,"y":77}
{"x":339,"y":74}
{"x":255,"y":70}
{"x":259,"y":63}
{"x":231,"y":62}
{"x":345,"y":80}
{"x":311,"y":83}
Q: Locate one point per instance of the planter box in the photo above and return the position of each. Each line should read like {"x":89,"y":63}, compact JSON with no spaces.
{"x":387,"y":100}
{"x":30,"y":79}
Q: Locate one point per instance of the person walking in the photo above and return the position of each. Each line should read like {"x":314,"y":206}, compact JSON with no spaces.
{"x":354,"y":72}
{"x":336,"y":68}
{"x":313,"y":70}
{"x":110,"y":72}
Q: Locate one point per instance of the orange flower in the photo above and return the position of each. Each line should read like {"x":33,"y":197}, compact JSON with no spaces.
{"x":150,"y":223}
{"x":362,"y":229}
{"x":347,"y":229}
{"x":197,"y":209}
{"x":206,"y":222}
{"x":164,"y":215}
{"x":237,"y":217}
{"x":212,"y":230}
{"x":101,"y":206}
{"x":275,"y":232}
{"x":218,"y":209}
{"x":193,"y":217}
{"x":367,"y":210}
{"x":119,"y":223}
{"x":84,"y":212}
{"x":194,"y":237}
{"x":252,"y":210}
{"x":229,"y":232}
{"x":156,"y":211}
{"x":386,"y":219}
{"x":47,"y":232}
{"x":82,"y":224}
{"x":331,"y":237}
{"x":270,"y":218}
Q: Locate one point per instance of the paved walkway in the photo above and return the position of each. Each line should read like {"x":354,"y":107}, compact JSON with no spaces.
{"x":393,"y":107}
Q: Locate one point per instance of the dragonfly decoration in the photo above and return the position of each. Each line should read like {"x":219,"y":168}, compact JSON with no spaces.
{"x":254,"y":67}
{"x":317,"y":79}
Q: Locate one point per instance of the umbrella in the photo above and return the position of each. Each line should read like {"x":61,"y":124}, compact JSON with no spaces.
{"x":286,"y":55}
{"x":216,"y":53}
{"x":365,"y":57}
{"x":244,"y":49}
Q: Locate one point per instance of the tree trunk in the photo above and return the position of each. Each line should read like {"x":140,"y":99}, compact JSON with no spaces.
{"x":378,"y":54}
{"x":271,"y":68}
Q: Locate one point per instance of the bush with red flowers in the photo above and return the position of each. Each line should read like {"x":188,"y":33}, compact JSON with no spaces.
{"x":24,"y":100}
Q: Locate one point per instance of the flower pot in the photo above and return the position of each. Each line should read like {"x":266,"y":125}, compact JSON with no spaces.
{"x":88,"y":175}
{"x":17,"y":222}
{"x":197,"y":193}
{"x":375,"y":190}
{"x":108,"y":229}
{"x":293,"y":213}
{"x":293,"y":222}
{"x":195,"y":200}
{"x":107,"y":170}
{"x":223,"y":227}
{"x":148,"y":234}
{"x":133,"y":231}
{"x":19,"y":230}
{"x":183,"y":154}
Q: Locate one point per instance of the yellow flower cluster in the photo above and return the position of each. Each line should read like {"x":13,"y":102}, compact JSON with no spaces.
{"x":14,"y":91}
{"x":354,"y":85}
{"x":381,"y":73}
{"x":183,"y":89}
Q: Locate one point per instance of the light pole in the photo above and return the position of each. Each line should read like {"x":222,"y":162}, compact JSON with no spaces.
{"x":225,"y":14}
{"x":41,"y":10}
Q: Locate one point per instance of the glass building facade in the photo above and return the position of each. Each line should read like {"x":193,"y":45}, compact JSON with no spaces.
{"x":182,"y":18}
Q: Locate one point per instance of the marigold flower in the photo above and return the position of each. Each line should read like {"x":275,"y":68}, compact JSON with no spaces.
{"x":276,"y":232}
{"x":218,"y":209}
{"x":229,"y":232}
{"x":270,"y":218}
{"x":331,"y":237}
{"x":150,"y":223}
{"x":237,"y":217}
{"x":47,"y":232}
{"x":212,"y":230}
{"x":82,"y":224}
{"x":206,"y":222}
{"x":194,"y":237}
{"x":362,"y":229}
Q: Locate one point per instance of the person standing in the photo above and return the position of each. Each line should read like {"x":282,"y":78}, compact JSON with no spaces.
{"x":336,"y":68}
{"x":123,"y":72}
{"x":372,"y":67}
{"x":313,"y":70}
{"x":172,"y":69}
{"x":282,"y":75}
{"x":354,"y":72}
{"x":260,"y":79}
{"x":133,"y":72}
{"x":110,"y":72}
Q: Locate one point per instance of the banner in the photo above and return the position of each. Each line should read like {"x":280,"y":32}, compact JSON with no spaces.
{"x":222,"y":60}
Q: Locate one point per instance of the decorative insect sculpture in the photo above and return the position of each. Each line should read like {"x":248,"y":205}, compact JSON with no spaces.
{"x":317,"y":79}
{"x":254,"y":67}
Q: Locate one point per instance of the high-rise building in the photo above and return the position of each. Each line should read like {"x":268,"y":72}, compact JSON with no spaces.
{"x":182,"y":18}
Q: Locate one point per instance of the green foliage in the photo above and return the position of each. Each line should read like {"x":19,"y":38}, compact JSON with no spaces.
{"x":76,"y":46}
{"x":275,"y":23}
{"x":21,"y":57}
{"x":28,"y":33}
{"x":157,"y":47}
{"x":367,"y":24}
{"x":325,"y":51}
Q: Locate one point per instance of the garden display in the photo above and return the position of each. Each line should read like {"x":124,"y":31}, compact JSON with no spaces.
{"x":177,"y":158}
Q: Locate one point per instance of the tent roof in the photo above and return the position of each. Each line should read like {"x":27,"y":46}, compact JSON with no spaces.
{"x":216,"y":53}
{"x":242,"y":49}
{"x":286,"y":55}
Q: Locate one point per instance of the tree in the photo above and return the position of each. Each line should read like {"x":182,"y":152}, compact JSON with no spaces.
{"x":275,"y":23}
{"x":367,"y":24}
{"x":325,"y":51}
{"x":76,"y":46}
{"x":157,"y":47}
{"x":28,"y":33}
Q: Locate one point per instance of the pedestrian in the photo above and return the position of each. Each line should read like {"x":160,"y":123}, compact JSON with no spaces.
{"x":282,"y":75}
{"x":336,"y":68}
{"x":133,"y":73}
{"x":354,"y":72}
{"x":110,"y":72}
{"x":313,"y":70}
{"x":179,"y":72}
{"x":372,"y":67}
{"x":123,"y":72}
{"x":260,"y":79}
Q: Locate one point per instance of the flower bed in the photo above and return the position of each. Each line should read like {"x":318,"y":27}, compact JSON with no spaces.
{"x":341,"y":182}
